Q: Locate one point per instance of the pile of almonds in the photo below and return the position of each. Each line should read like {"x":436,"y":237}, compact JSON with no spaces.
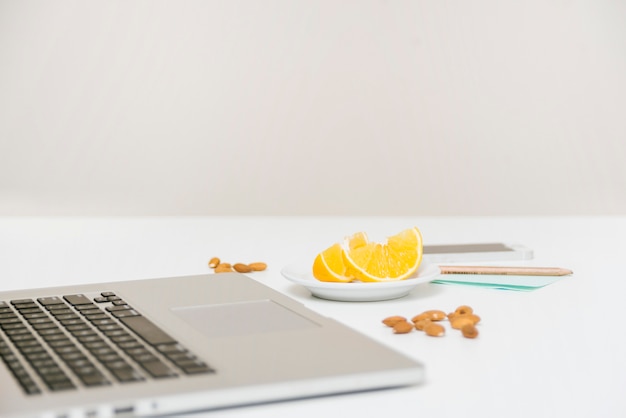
{"x":218,"y":267}
{"x":463,"y":319}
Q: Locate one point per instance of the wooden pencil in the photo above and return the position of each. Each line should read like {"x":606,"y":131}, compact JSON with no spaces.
{"x":505,"y":270}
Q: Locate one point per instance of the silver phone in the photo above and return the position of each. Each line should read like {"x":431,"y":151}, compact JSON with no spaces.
{"x":469,"y":252}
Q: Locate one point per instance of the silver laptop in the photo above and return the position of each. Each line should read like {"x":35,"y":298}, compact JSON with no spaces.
{"x":172,"y":345}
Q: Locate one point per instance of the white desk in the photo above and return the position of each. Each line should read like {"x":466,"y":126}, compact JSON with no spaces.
{"x":556,"y":351}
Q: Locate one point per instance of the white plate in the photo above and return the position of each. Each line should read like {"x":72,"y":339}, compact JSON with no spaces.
{"x":302,"y":274}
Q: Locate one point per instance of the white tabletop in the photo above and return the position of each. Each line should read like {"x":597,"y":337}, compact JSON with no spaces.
{"x":554,"y":351}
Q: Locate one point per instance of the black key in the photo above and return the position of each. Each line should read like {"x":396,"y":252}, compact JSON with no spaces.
{"x":107,"y":294}
{"x":17,"y":331}
{"x":122,"y":339}
{"x":22,"y":337}
{"x":97,"y":317}
{"x":198,"y":369}
{"x":21,"y":301}
{"x":29,"y":351}
{"x":79,"y":299}
{"x":129,"y":345}
{"x":96,"y":345}
{"x":66,"y":317}
{"x":61,"y":307}
{"x":90,"y":339}
{"x":127,"y":375}
{"x":109,"y":358}
{"x":103,"y":351}
{"x":117,"y":308}
{"x":100,"y":299}
{"x":139,"y":351}
{"x":147,"y":330}
{"x":90,"y":312}
{"x":66,"y":342}
{"x":27,"y":343}
{"x":169,"y":349}
{"x":125,"y":313}
{"x":29,"y":305}
{"x":26,"y":311}
{"x":45,"y":325}
{"x":70,"y":356}
{"x":14,"y":320}
{"x":68,"y":322}
{"x":86,"y":370}
{"x":54,"y":337}
{"x":45,"y":362}
{"x":96,"y":379}
{"x":40,"y":321}
{"x":50,"y":331}
{"x":77,"y":327}
{"x":51,"y":300}
{"x":119,"y":364}
{"x":7,"y":327}
{"x":35,"y":315}
{"x":61,"y":385}
{"x":144,"y":358}
{"x":117,"y":332}
{"x":103,"y":322}
{"x":158,"y":369}
{"x":81,"y":366}
{"x":30,"y":387}
{"x":37,"y":356}
{"x":86,"y":307}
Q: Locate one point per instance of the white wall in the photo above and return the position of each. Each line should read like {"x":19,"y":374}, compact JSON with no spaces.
{"x":204,"y":107}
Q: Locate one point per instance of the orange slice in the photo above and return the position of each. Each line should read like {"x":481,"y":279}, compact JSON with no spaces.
{"x":329,"y":265}
{"x":397,"y":259}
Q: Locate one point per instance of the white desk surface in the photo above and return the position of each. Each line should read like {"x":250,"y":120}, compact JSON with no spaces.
{"x":556,"y":351}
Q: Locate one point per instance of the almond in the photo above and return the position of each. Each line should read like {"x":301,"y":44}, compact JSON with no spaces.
{"x":434,"y":330}
{"x":214,"y":262}
{"x":402,"y":327}
{"x":242,"y":268}
{"x":257,"y":266}
{"x":393,"y":320}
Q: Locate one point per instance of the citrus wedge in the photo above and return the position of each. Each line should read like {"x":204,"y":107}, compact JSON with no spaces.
{"x":329,"y":265}
{"x":397,"y":259}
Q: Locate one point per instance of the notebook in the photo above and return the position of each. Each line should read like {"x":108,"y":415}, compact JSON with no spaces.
{"x":179,"y":344}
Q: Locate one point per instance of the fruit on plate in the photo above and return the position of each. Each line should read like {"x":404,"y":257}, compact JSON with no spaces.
{"x":329,"y":265}
{"x":358,"y":258}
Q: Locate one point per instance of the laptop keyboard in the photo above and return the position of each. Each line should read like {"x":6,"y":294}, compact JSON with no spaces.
{"x":60,"y":343}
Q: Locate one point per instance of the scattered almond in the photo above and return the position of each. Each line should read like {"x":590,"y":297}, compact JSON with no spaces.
{"x":459,"y":322}
{"x":469,"y":331}
{"x":433,"y":315}
{"x":219,"y":267}
{"x":402,"y":327}
{"x":223,"y":268}
{"x":393,"y":320}
{"x":434,"y":330}
{"x":460,"y":311}
{"x":463,"y":318}
{"x":258,"y":266}
{"x":421,"y":324}
{"x":242,"y":268}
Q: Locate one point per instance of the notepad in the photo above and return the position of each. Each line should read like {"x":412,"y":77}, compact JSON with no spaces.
{"x":500,"y":282}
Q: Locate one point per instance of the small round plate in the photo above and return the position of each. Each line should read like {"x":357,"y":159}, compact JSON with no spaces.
{"x":302,"y":274}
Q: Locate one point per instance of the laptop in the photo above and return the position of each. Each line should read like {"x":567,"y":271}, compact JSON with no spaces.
{"x":179,"y":344}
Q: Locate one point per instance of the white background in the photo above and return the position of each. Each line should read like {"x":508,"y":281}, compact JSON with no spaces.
{"x":312,"y":107}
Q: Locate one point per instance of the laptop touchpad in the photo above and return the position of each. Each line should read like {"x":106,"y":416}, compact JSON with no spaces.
{"x":241,"y":318}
